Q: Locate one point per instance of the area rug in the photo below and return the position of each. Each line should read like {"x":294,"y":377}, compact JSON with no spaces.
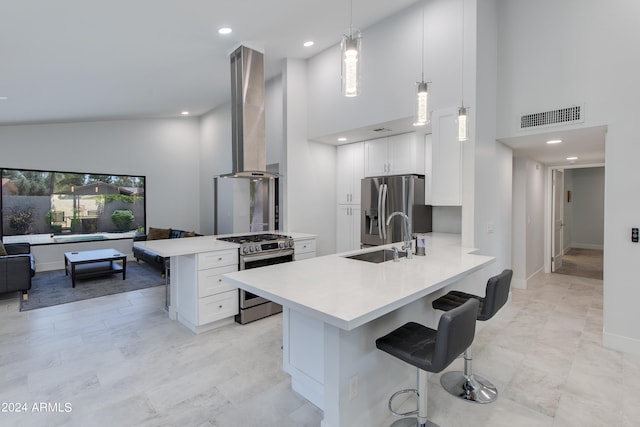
{"x":54,"y":287}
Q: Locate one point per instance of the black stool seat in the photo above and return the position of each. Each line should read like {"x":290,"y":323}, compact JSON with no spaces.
{"x":496,"y":295}
{"x":433,"y":350}
{"x":455,"y":299}
{"x":465,"y":385}
{"x":430,"y":350}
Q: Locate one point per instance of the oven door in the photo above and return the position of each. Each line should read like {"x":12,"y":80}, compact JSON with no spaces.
{"x":264,"y":259}
{"x":247,"y":299}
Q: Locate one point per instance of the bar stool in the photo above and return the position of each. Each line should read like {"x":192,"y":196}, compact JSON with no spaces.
{"x":429,"y":350}
{"x":466,"y":385}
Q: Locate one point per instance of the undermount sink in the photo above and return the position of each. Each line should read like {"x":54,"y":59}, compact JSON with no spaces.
{"x":377,"y":256}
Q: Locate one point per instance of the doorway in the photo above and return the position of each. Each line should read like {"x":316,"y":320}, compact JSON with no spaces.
{"x":557,"y":212}
{"x":577,"y":221}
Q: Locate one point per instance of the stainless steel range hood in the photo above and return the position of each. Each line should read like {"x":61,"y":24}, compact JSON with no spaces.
{"x":247,"y":115}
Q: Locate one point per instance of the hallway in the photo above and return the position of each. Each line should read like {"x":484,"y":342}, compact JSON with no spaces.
{"x":582,"y":263}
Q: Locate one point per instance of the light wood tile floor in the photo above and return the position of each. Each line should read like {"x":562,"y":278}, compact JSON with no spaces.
{"x":119,"y":361}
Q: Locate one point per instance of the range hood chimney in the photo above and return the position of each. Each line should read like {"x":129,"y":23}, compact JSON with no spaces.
{"x":247,"y":115}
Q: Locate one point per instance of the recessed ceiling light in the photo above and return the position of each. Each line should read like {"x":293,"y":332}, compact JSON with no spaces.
{"x":572,"y":158}
{"x":342,"y":139}
{"x":554,"y":141}
{"x":224,"y":30}
{"x":308,"y":43}
{"x":185,"y":113}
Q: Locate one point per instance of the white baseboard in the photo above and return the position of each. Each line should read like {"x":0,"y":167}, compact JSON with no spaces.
{"x":586,"y":246}
{"x":518,"y":284}
{"x":620,"y":343}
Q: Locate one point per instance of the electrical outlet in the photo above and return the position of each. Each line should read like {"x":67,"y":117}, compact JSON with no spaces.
{"x":353,"y":387}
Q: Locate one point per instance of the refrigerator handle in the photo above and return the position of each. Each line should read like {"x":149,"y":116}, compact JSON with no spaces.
{"x":380,"y":209}
{"x":384,"y":213}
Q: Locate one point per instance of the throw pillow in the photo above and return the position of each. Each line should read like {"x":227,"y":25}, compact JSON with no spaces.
{"x":189,"y":234}
{"x":158,"y":233}
{"x":3,"y":251}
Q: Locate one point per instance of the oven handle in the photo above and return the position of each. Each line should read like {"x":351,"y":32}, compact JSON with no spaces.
{"x":260,"y":257}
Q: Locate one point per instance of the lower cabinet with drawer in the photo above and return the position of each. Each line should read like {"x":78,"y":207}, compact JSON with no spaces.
{"x":204,"y":302}
{"x":304,"y":248}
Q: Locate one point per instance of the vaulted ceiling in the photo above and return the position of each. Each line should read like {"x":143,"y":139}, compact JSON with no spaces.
{"x":78,"y":60}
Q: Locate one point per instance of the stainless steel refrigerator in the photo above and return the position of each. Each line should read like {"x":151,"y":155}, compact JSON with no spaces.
{"x":381,"y":196}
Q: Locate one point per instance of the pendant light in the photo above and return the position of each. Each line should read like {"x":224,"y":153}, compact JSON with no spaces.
{"x":422,"y":106}
{"x":463,"y":130}
{"x":351,"y":59}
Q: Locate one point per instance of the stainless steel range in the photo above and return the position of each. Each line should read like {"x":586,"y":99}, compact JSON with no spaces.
{"x":259,"y":250}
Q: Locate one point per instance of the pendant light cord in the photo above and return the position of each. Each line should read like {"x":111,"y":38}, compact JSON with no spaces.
{"x":462,"y":62}
{"x":423,"y":3}
{"x":351,"y":18}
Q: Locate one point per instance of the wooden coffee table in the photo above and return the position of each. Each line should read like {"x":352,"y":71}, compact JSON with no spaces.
{"x":95,"y":263}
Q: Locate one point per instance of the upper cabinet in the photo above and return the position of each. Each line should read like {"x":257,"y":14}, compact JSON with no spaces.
{"x":395,"y":155}
{"x":350,"y":171}
{"x":443,"y":160}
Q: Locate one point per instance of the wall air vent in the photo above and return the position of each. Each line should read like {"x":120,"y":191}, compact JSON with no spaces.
{"x":381,"y":130}
{"x":554,"y":117}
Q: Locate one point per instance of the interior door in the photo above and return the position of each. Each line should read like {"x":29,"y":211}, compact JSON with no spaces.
{"x":557,"y":243}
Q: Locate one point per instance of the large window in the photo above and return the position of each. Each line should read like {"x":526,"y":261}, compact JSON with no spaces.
{"x":56,"y":207}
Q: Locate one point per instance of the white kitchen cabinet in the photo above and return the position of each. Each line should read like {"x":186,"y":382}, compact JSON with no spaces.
{"x":376,"y":157}
{"x":203,"y":301}
{"x":350,"y":171}
{"x":348,"y":228}
{"x":396,"y":155}
{"x":303,"y":249}
{"x":443,"y":158}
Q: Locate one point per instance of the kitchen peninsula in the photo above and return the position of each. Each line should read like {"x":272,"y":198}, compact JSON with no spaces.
{"x":336,"y":307}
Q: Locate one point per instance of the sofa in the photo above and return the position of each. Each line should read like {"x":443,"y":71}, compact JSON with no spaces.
{"x":17,"y":268}
{"x":151,"y":258}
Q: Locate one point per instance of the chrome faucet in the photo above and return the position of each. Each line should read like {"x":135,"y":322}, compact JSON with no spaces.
{"x":407,"y":240}
{"x":396,"y":257}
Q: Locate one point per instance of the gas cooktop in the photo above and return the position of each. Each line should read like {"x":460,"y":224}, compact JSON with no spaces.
{"x":255,"y":238}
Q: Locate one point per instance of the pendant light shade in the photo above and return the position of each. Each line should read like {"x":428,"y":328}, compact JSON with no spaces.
{"x":351,"y":59}
{"x":422,"y":106}
{"x":463,"y":131}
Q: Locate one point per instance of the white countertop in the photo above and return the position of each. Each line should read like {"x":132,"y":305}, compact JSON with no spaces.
{"x":199,"y":244}
{"x":348,"y":293}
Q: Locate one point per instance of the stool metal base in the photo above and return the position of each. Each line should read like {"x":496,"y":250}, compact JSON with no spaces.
{"x":412,"y":422}
{"x":472,"y":388}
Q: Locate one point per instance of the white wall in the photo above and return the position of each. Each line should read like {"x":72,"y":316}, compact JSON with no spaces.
{"x":587,"y":208}
{"x":567,"y":213}
{"x":541,"y":70}
{"x":493,"y":167}
{"x":391,"y":64}
{"x":310,"y":174}
{"x":164,"y":150}
{"x":528,"y":219}
{"x":215,"y":159}
{"x":447,"y":219}
{"x":535,"y":215}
